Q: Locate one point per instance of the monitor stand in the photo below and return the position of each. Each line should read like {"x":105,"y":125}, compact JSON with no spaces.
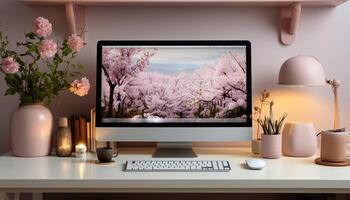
{"x":174,"y":150}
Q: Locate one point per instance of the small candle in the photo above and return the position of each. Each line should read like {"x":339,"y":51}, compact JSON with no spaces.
{"x":80,"y":150}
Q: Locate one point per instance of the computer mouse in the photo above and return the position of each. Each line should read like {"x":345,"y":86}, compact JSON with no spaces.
{"x":255,"y":164}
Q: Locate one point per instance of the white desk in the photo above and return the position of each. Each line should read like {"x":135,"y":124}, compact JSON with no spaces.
{"x":54,"y":174}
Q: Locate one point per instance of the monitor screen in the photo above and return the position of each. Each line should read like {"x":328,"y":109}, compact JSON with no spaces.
{"x":155,"y":84}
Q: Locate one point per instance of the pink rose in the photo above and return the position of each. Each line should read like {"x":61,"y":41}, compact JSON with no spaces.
{"x":47,"y":48}
{"x":9,"y":66}
{"x":75,"y":42}
{"x":80,"y":87}
{"x":42,"y":27}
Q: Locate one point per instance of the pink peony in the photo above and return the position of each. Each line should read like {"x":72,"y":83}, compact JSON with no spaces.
{"x":9,"y":66}
{"x":75,"y":42}
{"x":47,"y":48}
{"x":42,"y":27}
{"x":80,"y":87}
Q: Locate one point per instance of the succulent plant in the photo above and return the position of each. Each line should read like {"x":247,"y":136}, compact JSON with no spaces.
{"x":271,"y":126}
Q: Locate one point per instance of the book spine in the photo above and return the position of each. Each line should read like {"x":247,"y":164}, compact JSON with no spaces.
{"x":82,"y":132}
{"x":88,"y":136}
{"x":93,"y":130}
{"x":71,"y":126}
{"x":76,"y":131}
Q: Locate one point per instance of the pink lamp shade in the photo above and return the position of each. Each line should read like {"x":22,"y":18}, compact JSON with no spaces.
{"x":302,"y":71}
{"x":307,"y":71}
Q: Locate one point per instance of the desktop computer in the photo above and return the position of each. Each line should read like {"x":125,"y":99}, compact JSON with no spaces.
{"x":173,"y":93}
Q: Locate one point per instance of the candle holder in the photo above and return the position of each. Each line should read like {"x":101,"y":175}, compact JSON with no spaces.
{"x":80,"y":150}
{"x":63,"y":139}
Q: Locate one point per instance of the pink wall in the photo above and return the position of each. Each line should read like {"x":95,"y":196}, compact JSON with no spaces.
{"x":323,"y":33}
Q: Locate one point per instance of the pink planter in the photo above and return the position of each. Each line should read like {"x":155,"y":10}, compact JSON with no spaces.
{"x":31,"y":129}
{"x":299,"y":139}
{"x":271,"y":146}
{"x":334,"y":146}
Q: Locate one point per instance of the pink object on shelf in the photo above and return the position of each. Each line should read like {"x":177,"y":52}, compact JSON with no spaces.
{"x":271,"y":146}
{"x":299,"y":139}
{"x":31,"y":127}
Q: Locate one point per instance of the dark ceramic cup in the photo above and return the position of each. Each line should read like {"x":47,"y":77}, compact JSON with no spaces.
{"x":105,"y":154}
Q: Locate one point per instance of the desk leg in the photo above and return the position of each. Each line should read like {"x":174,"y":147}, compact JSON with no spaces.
{"x":17,"y":196}
{"x":3,"y":196}
{"x":340,"y":196}
{"x":37,"y":196}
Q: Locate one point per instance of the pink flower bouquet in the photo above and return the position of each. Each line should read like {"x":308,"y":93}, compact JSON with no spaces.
{"x":24,"y":72}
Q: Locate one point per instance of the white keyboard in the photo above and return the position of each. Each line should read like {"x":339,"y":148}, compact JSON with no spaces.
{"x":177,"y":166}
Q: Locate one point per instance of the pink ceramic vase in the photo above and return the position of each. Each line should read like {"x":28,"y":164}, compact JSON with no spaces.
{"x":271,"y":146}
{"x":31,"y":131}
{"x":299,"y":139}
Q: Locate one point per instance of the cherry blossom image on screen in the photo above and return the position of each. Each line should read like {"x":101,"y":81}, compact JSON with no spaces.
{"x":174,"y":84}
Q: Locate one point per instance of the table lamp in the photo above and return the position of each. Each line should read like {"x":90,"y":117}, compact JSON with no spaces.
{"x":308,"y":71}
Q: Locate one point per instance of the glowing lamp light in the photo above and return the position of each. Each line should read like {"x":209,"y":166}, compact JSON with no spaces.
{"x":308,"y":71}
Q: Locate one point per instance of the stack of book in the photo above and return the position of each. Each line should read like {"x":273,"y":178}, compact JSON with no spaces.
{"x":84,"y":131}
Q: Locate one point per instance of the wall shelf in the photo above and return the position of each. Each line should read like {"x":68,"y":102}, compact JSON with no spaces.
{"x":290,"y":9}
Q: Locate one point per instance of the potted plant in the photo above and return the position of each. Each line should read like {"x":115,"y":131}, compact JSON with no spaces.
{"x":263,"y":102}
{"x":271,"y":145}
{"x":37,"y":74}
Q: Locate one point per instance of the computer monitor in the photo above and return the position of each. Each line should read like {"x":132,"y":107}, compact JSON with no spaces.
{"x":173,"y":92}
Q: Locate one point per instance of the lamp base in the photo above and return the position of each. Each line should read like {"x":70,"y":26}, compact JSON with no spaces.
{"x":335,"y":84}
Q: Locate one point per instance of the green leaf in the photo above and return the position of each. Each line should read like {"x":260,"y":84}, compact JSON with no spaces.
{"x":81,"y":66}
{"x":31,"y":35}
{"x":31,"y":48}
{"x":10,"y":91}
{"x":51,"y":67}
{"x":66,"y":51}
{"x":57,"y":59}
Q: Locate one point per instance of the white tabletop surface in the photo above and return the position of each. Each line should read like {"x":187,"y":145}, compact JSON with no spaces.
{"x":75,"y":174}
